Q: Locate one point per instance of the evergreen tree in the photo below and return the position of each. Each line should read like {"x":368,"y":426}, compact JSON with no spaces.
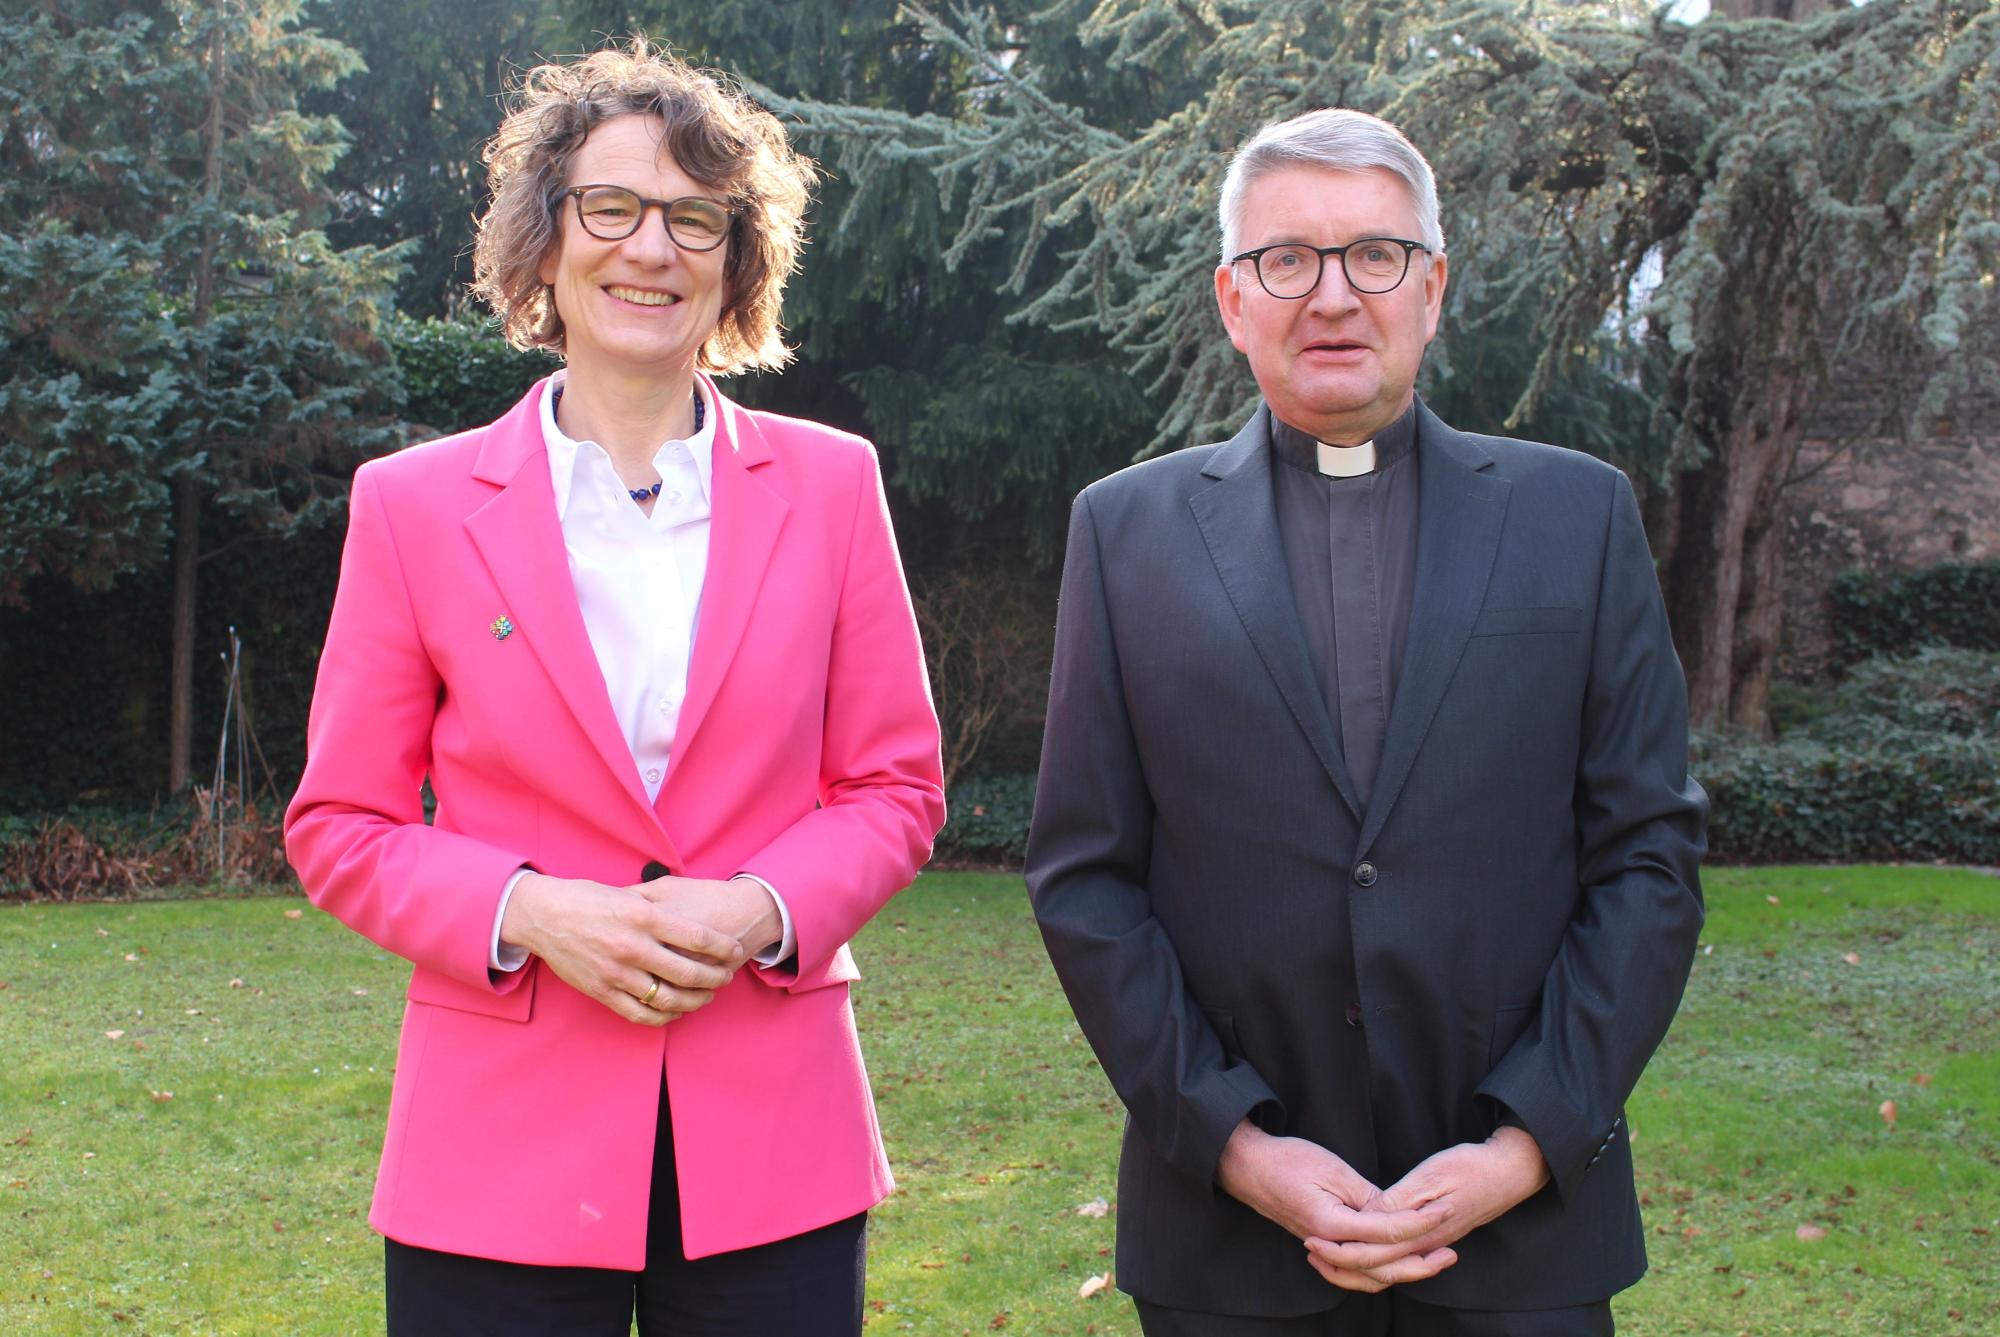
{"x":1747,"y":208}
{"x":181,"y":339}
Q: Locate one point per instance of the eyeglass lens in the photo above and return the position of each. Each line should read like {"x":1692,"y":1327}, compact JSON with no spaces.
{"x":614,"y":213}
{"x":1372,"y":267}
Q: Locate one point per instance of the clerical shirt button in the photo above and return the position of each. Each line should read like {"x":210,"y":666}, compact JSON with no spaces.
{"x":1354,"y":1014}
{"x":653,"y":777}
{"x":1364,"y":874}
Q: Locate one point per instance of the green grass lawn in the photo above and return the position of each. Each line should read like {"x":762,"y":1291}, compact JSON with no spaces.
{"x":192,"y":1094}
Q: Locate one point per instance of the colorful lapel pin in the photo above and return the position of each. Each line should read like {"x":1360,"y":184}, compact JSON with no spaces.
{"x":502,"y":627}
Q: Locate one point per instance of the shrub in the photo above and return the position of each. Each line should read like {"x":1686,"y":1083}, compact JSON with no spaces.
{"x":1905,"y":796}
{"x":86,"y":853}
{"x":986,"y":821}
{"x":460,"y":373}
{"x":1953,"y":604}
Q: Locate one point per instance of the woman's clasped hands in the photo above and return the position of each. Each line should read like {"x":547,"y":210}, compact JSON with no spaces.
{"x":650,"y":952}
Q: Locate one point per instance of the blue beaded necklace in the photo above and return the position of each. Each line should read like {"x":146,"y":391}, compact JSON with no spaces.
{"x":643,"y":493}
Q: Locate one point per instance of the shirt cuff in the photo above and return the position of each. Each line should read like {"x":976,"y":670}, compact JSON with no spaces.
{"x":788,"y":941}
{"x":505,"y":956}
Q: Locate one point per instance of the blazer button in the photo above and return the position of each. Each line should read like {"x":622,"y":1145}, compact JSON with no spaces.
{"x":1354,"y":1015}
{"x":1364,"y":874}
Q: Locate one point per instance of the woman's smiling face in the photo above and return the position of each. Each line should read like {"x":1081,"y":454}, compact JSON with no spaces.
{"x":642,"y":303}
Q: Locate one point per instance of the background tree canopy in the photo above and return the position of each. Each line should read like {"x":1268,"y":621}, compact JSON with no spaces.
{"x":227,"y":226}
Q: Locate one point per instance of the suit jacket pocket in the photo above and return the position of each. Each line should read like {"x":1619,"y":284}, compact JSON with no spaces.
{"x":839,"y":969}
{"x":438,"y":990}
{"x":1528,"y":621}
{"x":1225,"y":1030}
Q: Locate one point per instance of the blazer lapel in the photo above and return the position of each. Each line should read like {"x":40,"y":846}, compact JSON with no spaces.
{"x":520,"y":539}
{"x":1460,"y":507}
{"x":1238,"y":519}
{"x":745,"y":515}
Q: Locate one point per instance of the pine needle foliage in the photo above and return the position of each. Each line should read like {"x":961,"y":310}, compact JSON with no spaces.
{"x":179,"y":334}
{"x":1727,"y":215}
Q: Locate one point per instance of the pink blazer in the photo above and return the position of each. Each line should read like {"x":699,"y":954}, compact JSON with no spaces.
{"x":521,"y":1124}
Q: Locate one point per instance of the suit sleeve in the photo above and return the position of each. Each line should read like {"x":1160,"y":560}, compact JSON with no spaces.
{"x":355,"y":830}
{"x":1617,"y":979}
{"x":1088,"y":853}
{"x":881,"y":781}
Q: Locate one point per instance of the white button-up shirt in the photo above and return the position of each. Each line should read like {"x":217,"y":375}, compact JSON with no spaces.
{"x":638,"y":581}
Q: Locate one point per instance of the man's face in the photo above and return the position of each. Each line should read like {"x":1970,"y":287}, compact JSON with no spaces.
{"x":1337,"y":363}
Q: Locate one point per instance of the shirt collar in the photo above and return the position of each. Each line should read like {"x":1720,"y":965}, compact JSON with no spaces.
{"x":1302,"y":451}
{"x":564,"y":450}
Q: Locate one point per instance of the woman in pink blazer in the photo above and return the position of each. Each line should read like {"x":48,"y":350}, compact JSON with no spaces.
{"x":656,"y":656}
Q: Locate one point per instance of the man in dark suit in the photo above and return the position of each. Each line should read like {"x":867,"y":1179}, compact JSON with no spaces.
{"x":1364,"y":844}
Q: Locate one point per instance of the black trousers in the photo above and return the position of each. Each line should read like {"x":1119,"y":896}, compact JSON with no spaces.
{"x":1387,"y":1314}
{"x":807,"y":1286}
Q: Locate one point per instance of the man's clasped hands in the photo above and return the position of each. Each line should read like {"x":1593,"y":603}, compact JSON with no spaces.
{"x":1363,"y":1238}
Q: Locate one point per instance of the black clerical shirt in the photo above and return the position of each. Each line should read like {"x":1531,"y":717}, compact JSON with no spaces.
{"x":1351,"y":549}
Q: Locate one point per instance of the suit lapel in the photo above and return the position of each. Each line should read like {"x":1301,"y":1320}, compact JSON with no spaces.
{"x":745,"y":515}
{"x":1460,"y":508}
{"x":520,"y":540}
{"x":1238,"y":519}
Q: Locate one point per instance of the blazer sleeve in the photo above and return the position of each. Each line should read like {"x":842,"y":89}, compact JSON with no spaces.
{"x":355,"y":830}
{"x":1088,"y":854}
{"x":1617,"y":978}
{"x":881,"y":779}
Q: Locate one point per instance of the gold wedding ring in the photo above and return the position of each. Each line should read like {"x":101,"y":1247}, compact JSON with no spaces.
{"x":651,"y":993}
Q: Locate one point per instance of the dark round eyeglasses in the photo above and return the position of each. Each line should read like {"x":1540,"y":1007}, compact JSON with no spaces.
{"x":1373,"y":265}
{"x":613,"y":213}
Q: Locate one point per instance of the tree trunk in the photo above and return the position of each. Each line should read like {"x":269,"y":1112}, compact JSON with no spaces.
{"x":1725,"y":579}
{"x":187,"y":487}
{"x":187,"y":551}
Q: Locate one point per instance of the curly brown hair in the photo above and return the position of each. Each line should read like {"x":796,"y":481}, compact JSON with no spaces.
{"x":715,"y":133}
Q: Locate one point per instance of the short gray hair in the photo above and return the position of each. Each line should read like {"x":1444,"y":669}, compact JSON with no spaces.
{"x":1341,"y":140}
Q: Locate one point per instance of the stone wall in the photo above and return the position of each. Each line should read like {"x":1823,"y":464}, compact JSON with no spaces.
{"x":1884,"y":505}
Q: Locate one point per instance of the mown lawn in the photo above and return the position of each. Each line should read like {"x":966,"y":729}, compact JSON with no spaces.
{"x":191,"y":1096}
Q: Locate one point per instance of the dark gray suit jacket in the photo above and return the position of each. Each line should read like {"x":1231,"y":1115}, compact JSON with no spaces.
{"x":1506,"y":929}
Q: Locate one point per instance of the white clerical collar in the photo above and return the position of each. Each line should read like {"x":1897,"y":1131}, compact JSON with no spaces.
{"x":1347,"y":461}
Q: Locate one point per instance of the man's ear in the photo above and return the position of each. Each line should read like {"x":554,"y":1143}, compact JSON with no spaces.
{"x":1229,"y":301}
{"x":1435,"y":277}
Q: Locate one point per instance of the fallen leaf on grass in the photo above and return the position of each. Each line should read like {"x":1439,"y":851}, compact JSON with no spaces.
{"x":1810,"y":1232}
{"x":162,"y":1097}
{"x":1095,"y":1207}
{"x":90,"y":1155}
{"x":360,"y":993}
{"x":104,"y":933}
{"x":295,"y":914}
{"x":1922,"y":1079}
{"x":1100,"y":1282}
{"x":236,"y":984}
{"x":1772,"y":899}
{"x":131,"y":956}
{"x":114,"y":1035}
{"x":194,"y":1012}
{"x":1888,"y":1112}
{"x":1852,"y":958}
{"x":27,"y":1136}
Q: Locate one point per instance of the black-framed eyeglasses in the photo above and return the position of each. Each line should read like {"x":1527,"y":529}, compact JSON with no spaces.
{"x":613,"y":213}
{"x":1373,"y":265}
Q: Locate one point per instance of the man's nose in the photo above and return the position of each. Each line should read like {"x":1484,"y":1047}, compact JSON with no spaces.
{"x":1333,"y":292}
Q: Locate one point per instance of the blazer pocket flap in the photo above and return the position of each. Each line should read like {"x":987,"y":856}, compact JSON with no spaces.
{"x":839,"y":969}
{"x":1528,"y":621}
{"x":439,"y":990}
{"x":1225,"y":1030}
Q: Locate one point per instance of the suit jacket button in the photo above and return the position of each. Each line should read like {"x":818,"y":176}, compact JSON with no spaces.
{"x":1354,"y":1014}
{"x":1364,"y":874}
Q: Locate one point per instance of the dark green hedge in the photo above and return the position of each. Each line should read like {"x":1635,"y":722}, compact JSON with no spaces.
{"x":460,"y":373}
{"x":1877,"y":613}
{"x":986,"y":820}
